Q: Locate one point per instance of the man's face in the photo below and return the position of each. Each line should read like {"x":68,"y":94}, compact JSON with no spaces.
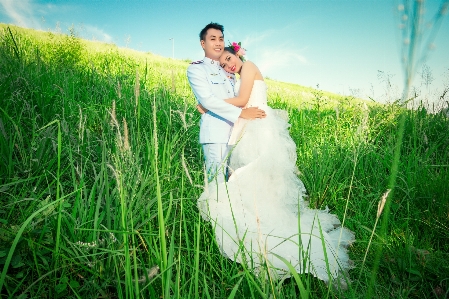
{"x":213,"y":44}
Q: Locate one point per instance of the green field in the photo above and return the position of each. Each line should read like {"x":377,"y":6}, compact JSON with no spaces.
{"x":100,"y":169}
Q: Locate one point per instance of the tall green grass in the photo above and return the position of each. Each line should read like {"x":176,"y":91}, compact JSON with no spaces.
{"x":100,"y":172}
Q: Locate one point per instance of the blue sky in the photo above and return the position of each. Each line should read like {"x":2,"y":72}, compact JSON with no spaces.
{"x":340,"y":45}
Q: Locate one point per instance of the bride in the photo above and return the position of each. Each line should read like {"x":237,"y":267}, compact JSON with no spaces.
{"x":260,"y":216}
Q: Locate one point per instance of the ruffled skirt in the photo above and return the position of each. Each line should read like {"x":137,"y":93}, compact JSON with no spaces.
{"x":260,"y":215}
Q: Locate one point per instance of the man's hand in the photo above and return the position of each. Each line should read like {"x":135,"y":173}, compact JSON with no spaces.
{"x":252,"y":112}
{"x":201,"y":109}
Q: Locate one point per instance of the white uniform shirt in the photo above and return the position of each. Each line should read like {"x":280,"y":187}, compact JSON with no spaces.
{"x":211,"y":86}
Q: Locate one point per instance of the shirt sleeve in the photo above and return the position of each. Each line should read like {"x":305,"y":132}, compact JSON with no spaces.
{"x":206,"y":97}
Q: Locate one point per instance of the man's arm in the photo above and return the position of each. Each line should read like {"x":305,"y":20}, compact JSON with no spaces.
{"x":203,"y":92}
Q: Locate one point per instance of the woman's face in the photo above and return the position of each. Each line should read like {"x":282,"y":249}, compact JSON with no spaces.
{"x":230,"y":63}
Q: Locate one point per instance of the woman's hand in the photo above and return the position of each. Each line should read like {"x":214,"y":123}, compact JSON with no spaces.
{"x":201,"y":109}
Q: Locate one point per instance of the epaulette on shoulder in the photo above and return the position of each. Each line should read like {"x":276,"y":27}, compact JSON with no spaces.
{"x":197,"y":62}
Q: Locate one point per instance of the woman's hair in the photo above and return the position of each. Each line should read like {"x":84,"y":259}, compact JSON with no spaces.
{"x":233,"y":52}
{"x":230,"y":50}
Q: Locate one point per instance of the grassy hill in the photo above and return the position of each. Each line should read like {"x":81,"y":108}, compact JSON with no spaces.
{"x":100,"y":170}
{"x":154,"y":66}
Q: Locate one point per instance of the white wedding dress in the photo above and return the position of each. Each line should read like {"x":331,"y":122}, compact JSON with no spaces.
{"x":260,"y":216}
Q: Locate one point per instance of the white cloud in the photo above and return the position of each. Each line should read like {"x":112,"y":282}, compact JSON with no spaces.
{"x":27,"y":13}
{"x":95,"y":33}
{"x":269,"y":55}
{"x":278,"y":57}
{"x":257,"y":39}
{"x":21,"y":13}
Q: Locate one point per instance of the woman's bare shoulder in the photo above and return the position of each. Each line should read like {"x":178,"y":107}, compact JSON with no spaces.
{"x":249,"y":66}
{"x":249,"y":63}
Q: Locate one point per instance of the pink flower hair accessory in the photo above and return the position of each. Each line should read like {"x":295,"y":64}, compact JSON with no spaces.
{"x":239,"y":51}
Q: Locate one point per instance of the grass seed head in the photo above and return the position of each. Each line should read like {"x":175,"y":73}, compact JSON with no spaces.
{"x":126,"y":145}
{"x":113,"y":115}
{"x":151,"y":273}
{"x":184,"y":165}
{"x":381,"y":204}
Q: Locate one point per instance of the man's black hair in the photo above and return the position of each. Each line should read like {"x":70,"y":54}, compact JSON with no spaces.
{"x":209,"y":26}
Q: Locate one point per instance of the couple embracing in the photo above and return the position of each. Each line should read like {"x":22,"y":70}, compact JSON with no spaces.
{"x":259,"y":213}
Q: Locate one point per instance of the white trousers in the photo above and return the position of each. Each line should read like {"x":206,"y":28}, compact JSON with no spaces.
{"x":216,"y":160}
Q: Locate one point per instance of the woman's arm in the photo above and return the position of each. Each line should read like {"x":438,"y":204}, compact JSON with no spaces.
{"x":209,"y":94}
{"x":247,"y":76}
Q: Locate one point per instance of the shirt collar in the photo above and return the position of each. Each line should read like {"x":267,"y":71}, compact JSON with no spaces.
{"x":216,"y":63}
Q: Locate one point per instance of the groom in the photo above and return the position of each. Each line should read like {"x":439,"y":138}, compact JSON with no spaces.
{"x":211,"y":86}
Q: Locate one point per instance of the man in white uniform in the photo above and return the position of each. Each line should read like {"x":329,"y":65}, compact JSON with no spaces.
{"x":211,"y":86}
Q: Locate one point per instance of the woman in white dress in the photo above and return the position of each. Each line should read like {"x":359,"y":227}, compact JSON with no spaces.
{"x":260,"y":215}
